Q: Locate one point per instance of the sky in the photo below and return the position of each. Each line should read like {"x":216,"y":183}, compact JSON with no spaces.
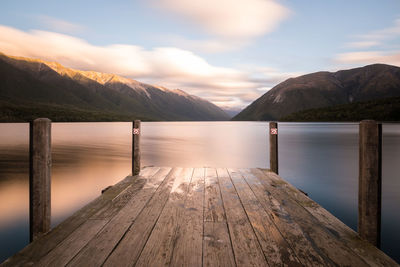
{"x":229,"y":52}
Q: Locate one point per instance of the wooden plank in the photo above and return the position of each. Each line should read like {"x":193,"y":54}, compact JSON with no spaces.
{"x":217,"y":246}
{"x":290,"y":230}
{"x":373,"y":256}
{"x":162,"y":241}
{"x":370,"y":182}
{"x":36,"y":250}
{"x":189,"y":234}
{"x":116,"y":203}
{"x":121,"y":221}
{"x":99,"y":248}
{"x":276,"y":249}
{"x":246,"y":247}
{"x":326,"y":242}
{"x":39,"y":177}
{"x":70,"y":246}
{"x":213,"y":209}
{"x":131,"y":245}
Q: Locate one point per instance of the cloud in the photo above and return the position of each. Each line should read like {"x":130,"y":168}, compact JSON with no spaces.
{"x":210,"y":46}
{"x":268,"y":76}
{"x":369,"y":57}
{"x":384,"y":34}
{"x":373,"y":47}
{"x":59,"y":25}
{"x":363,"y":44}
{"x":264,"y":89}
{"x":232,"y":24}
{"x":167,"y":66}
{"x":376,"y":38}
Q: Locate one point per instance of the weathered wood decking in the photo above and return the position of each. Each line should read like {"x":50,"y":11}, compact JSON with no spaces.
{"x":201,"y":217}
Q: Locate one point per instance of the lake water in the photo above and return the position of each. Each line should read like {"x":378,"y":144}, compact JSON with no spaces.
{"x":319,"y":158}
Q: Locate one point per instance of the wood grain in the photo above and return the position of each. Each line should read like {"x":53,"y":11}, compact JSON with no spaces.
{"x":136,"y":153}
{"x":162,"y":241}
{"x":373,"y":256}
{"x":276,"y":249}
{"x":70,"y":246}
{"x":189,"y":234}
{"x":100,"y":247}
{"x":370,"y":181}
{"x":273,"y":148}
{"x":247,"y":250}
{"x":201,"y":217}
{"x":217,"y":246}
{"x":32,"y":253}
{"x":39,"y":177}
{"x":289,"y":228}
{"x":330,"y":247}
{"x":129,"y":248}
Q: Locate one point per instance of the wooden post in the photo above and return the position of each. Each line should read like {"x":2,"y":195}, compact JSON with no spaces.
{"x":39,"y":177}
{"x":273,"y":146}
{"x":370,"y":181}
{"x":136,"y":132}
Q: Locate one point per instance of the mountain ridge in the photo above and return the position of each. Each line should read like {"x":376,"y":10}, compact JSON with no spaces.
{"x":324,"y":89}
{"x":96,"y":91}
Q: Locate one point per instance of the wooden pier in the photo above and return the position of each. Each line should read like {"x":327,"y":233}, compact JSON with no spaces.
{"x":164,"y":216}
{"x":201,"y":217}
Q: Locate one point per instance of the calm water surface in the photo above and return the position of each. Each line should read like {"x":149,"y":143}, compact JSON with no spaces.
{"x":319,"y":158}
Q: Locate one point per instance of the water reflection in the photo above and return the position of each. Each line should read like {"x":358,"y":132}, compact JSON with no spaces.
{"x":86,"y":159}
{"x":321,"y":159}
{"x":198,"y":144}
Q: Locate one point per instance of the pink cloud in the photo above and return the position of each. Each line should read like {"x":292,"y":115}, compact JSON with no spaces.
{"x":166,"y":66}
{"x":229,"y":19}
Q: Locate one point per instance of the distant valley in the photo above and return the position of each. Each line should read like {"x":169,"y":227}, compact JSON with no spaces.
{"x":348,"y":95}
{"x":31,"y":88}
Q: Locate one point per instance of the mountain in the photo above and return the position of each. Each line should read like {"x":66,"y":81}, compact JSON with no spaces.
{"x":27,"y":84}
{"x":325,"y":89}
{"x":386,"y":109}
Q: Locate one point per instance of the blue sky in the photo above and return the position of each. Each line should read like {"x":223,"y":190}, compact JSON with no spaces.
{"x":227,"y":51}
